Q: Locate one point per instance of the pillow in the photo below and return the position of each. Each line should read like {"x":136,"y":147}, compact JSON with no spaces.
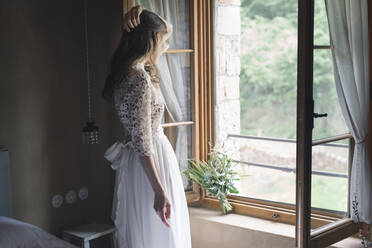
{"x":18,"y":234}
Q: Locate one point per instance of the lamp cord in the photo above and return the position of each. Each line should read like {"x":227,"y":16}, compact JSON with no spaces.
{"x":87,"y":57}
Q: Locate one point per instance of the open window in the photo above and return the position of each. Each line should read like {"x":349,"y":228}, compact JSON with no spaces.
{"x":255,"y":111}
{"x":312,"y":49}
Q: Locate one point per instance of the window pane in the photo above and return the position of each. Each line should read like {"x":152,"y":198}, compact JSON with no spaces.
{"x":325,"y":98}
{"x":256,"y":93}
{"x":174,"y":70}
{"x":330,"y":192}
{"x":321,"y":32}
{"x":181,"y":139}
{"x":176,"y":12}
{"x":329,"y":187}
{"x":268,"y":75}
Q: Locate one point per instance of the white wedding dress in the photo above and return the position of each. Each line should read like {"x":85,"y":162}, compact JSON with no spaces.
{"x":140,"y":106}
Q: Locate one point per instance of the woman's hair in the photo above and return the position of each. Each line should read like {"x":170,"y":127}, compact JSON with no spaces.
{"x":134,"y":45}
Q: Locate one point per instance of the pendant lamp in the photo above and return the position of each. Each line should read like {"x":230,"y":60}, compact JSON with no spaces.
{"x":90,"y":132}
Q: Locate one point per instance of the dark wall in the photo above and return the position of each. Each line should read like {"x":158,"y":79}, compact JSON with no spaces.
{"x":43,"y":107}
{"x":369,"y":133}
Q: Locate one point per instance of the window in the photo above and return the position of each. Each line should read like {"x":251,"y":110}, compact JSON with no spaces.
{"x":255,"y":111}
{"x":329,"y":160}
{"x":267,"y":91}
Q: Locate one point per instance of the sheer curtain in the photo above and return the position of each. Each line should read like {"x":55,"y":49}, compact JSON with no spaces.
{"x":173,"y":80}
{"x":348,"y":27}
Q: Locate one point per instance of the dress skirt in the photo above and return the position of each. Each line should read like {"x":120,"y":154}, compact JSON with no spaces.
{"x":137,"y":224}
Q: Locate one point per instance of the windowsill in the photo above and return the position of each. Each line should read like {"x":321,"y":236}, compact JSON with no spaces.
{"x":210,"y":228}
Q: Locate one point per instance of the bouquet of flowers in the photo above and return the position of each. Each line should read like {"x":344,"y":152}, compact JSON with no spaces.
{"x":217,"y":176}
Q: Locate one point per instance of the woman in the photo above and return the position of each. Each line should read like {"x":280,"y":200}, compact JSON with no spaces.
{"x":150,"y":208}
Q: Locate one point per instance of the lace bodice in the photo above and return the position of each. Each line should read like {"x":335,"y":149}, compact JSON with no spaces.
{"x":140,"y":107}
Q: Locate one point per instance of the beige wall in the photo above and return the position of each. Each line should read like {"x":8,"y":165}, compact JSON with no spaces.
{"x":43,"y":106}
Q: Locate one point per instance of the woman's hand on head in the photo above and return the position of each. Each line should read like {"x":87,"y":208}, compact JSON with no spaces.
{"x":131,"y":19}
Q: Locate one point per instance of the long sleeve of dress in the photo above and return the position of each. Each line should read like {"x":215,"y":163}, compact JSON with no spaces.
{"x":134,"y":111}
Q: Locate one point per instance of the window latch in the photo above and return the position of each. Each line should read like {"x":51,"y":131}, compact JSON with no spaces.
{"x":316,"y":115}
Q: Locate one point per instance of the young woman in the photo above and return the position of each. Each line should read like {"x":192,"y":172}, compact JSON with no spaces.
{"x":149,"y":208}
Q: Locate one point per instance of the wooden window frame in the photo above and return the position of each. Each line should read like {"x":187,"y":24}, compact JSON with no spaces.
{"x":242,"y":205}
{"x":343,"y":228}
{"x":330,"y":226}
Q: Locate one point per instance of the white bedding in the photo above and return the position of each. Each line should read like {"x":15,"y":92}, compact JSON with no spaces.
{"x":18,"y":234}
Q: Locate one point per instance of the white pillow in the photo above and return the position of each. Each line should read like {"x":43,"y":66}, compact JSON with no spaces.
{"x":18,"y":234}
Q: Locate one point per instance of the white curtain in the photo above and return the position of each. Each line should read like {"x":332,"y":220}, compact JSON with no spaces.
{"x":174,"y":83}
{"x":348,"y":27}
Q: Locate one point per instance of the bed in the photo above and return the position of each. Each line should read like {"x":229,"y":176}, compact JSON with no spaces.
{"x":18,"y":234}
{"x":15,"y":233}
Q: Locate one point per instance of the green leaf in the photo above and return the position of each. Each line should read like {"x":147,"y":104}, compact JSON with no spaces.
{"x":196,"y":165}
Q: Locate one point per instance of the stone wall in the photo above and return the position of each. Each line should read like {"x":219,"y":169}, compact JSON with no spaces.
{"x":227,"y":70}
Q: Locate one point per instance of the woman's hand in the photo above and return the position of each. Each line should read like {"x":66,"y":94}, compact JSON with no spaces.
{"x":162,"y":207}
{"x":131,"y":19}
